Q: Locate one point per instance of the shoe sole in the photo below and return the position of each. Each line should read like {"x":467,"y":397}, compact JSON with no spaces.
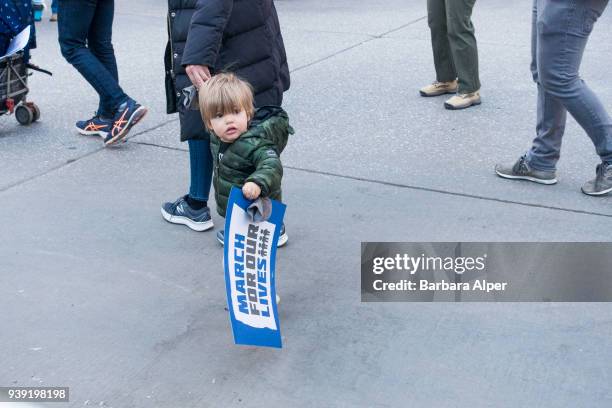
{"x":426,"y":95}
{"x":598,"y":193}
{"x":136,"y":117}
{"x":196,"y":226}
{"x":282,"y":240}
{"x":90,"y":132}
{"x":452,"y":107}
{"x":528,"y":178}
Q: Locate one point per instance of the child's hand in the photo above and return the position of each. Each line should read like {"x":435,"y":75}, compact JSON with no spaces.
{"x":251,"y":190}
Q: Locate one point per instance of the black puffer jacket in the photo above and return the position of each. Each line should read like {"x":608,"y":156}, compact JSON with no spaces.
{"x":241,"y":36}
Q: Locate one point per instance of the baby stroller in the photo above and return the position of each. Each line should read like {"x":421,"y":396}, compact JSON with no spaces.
{"x":14,"y":72}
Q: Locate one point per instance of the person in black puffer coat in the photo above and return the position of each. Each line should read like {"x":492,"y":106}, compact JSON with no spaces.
{"x":207,"y":37}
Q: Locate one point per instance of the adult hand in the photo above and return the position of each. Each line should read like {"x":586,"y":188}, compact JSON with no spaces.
{"x":198,"y":74}
{"x":251,"y":190}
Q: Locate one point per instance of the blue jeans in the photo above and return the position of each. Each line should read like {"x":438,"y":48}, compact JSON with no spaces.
{"x":54,"y":6}
{"x":85,"y":32}
{"x":200,"y":163}
{"x":560,"y":31}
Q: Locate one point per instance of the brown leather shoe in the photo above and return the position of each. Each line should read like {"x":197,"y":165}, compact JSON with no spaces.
{"x":462,"y":101}
{"x":439,"y":88}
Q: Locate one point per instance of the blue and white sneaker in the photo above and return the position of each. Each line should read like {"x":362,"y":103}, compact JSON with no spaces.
{"x":282,"y":239}
{"x":179,"y":212}
{"x":129,"y":113}
{"x":95,"y":126}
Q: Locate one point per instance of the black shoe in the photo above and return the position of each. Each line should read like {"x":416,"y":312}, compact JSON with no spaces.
{"x":282,"y":239}
{"x":128,"y":114}
{"x":602,"y":184}
{"x":179,"y":212}
{"x":521,"y":171}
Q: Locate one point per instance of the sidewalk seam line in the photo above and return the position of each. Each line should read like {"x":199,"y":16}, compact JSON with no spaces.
{"x":70,"y":161}
{"x":73,"y":160}
{"x":373,"y":37}
{"x":50,"y":170}
{"x":452,"y":193}
{"x":419,"y":188}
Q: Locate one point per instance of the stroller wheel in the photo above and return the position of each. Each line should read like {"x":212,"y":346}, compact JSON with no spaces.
{"x":35,"y":111}
{"x":24,"y":115}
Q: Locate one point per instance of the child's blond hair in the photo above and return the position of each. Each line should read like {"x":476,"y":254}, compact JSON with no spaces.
{"x":225,"y":93}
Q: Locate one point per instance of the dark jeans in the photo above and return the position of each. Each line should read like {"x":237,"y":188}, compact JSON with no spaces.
{"x":54,"y":6}
{"x":85,"y":32}
{"x":4,"y":43}
{"x":200,"y":161}
{"x":453,"y":42}
{"x":560,"y":32}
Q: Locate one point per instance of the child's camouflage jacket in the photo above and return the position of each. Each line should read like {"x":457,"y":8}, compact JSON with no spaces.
{"x":254,"y":156}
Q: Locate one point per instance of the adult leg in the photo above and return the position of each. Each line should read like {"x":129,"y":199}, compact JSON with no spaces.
{"x":551,"y":114}
{"x":443,"y":58}
{"x":99,"y":42}
{"x":192,"y":210}
{"x":563,"y":31}
{"x":75,"y":20}
{"x":200,"y":162}
{"x":54,"y":6}
{"x":463,"y":43}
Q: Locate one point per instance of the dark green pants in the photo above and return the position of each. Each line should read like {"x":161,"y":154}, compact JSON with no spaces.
{"x":453,"y":42}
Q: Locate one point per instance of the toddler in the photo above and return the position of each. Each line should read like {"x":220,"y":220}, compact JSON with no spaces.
{"x":245,"y":143}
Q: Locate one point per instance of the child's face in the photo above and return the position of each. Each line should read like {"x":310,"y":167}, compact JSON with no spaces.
{"x":228,"y":127}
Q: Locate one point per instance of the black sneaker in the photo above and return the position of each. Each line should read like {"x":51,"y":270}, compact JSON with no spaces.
{"x":521,"y":171}
{"x":179,"y":212}
{"x":282,"y":239}
{"x":95,"y":126}
{"x":602,"y":184}
{"x":128,"y":114}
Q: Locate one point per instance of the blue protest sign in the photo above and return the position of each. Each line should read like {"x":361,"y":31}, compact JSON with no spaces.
{"x":249,"y":261}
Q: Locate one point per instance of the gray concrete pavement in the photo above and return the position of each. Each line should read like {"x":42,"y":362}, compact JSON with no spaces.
{"x":99,"y":293}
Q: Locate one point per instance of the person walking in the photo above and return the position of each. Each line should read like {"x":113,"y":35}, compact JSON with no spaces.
{"x":455,"y":53}
{"x":207,"y":37}
{"x":560,"y":32}
{"x":85,"y":37}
